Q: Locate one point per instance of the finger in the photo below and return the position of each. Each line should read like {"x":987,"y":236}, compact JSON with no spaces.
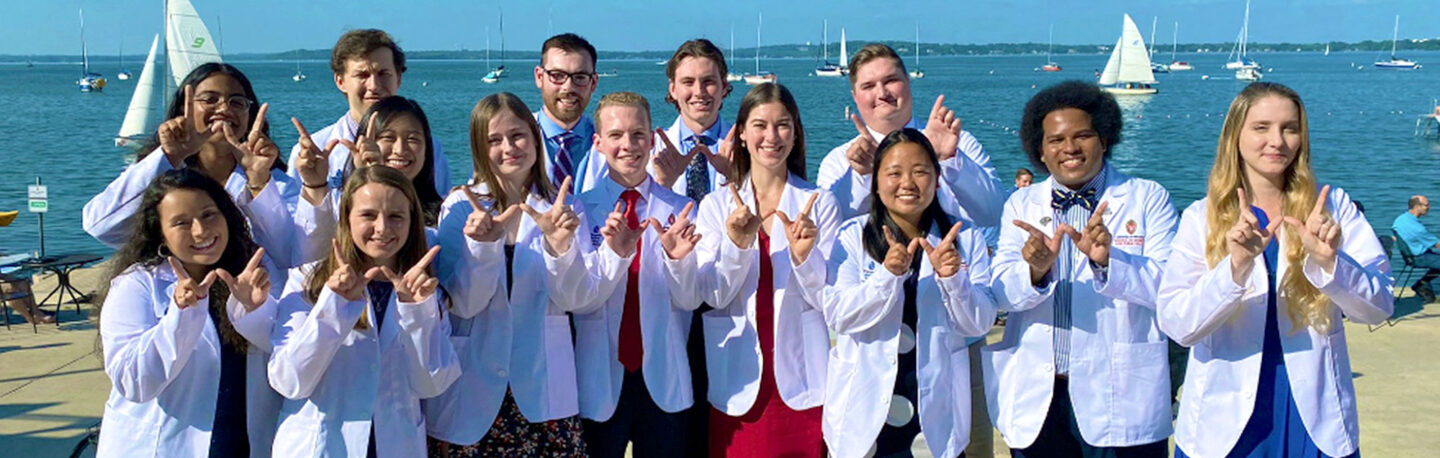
{"x":204,"y":285}
{"x":925,"y":245}
{"x":916,"y":243}
{"x":474,"y":199}
{"x":529,"y":211}
{"x":335,"y":251}
{"x":685,"y":212}
{"x":1244,"y":200}
{"x":938,"y":108}
{"x":370,"y":126}
{"x":666,"y":139}
{"x":1294,"y":223}
{"x":189,"y":100}
{"x":225,"y":277}
{"x":507,"y":214}
{"x":652,"y":222}
{"x":377,"y":272}
{"x":860,"y":126}
{"x":785,"y":220}
{"x":230,"y":135}
{"x":1320,"y":201}
{"x":1069,"y":231}
{"x":954,"y":233}
{"x":805,"y":213}
{"x":425,"y":261}
{"x":1031,"y":229}
{"x":257,"y":125}
{"x":735,"y":195}
{"x":1097,"y":217}
{"x":299,"y":127}
{"x":564,"y":191}
{"x":619,"y":207}
{"x":179,"y":269}
{"x":890,"y":236}
{"x":254,"y":260}
{"x":1274,"y":226}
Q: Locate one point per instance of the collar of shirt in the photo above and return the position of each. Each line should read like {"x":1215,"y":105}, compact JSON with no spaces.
{"x":683,"y":133}
{"x":1097,"y":183}
{"x":878,"y":135}
{"x":584,"y":129}
{"x":613,"y":190}
{"x":346,"y":127}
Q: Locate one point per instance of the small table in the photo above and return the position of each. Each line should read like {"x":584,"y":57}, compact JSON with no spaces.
{"x":62,"y":266}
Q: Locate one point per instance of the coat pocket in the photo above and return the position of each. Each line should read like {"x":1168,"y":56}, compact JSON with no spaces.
{"x":1140,"y":374}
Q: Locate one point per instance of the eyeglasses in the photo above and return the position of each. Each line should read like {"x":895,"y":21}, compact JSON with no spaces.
{"x":560,"y":76}
{"x":212,"y":100}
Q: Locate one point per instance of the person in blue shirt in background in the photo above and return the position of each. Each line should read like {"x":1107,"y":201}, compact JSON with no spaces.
{"x":1421,"y":242}
{"x":566,"y":79}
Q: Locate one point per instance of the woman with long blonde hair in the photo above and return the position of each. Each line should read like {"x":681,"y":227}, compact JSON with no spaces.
{"x":1260,"y":276}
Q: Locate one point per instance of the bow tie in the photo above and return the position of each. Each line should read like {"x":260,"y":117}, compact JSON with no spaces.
{"x":1062,"y":200}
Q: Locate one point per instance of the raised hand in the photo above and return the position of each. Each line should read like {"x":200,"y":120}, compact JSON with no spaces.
{"x":801,"y":232}
{"x":723,"y":158}
{"x":179,"y":136}
{"x":680,"y":239}
{"x":252,"y":287}
{"x":313,"y":163}
{"x":559,"y":223}
{"x":188,"y":293}
{"x":1040,"y":250}
{"x":743,"y":225}
{"x":1246,"y":239}
{"x":1319,"y":233}
{"x":669,"y":163}
{"x":861,"y":153}
{"x":899,"y":256}
{"x":1095,"y":242}
{"x":345,"y":281}
{"x":481,"y":226}
{"x":417,"y":284}
{"x":256,"y":153}
{"x":945,"y":259}
{"x":365,"y":150}
{"x":943,"y":129}
{"x":619,"y":235}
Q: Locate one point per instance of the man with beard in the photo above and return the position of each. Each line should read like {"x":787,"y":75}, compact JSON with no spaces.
{"x":368,"y":65}
{"x":566,"y":79}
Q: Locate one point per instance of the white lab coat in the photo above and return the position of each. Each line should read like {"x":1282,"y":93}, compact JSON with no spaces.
{"x":729,"y":277}
{"x":1119,"y":373}
{"x":1223,"y":323}
{"x":972,"y":191}
{"x":107,"y":215}
{"x":521,"y":341}
{"x":338,"y":379}
{"x":667,"y":300}
{"x":864,"y":304}
{"x":164,"y":367}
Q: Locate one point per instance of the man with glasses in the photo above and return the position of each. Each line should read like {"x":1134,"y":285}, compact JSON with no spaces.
{"x":566,"y":79}
{"x":367,"y":65}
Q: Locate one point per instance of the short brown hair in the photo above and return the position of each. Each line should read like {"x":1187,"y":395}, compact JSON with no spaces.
{"x":871,"y":52}
{"x":622,"y":99}
{"x":568,"y":42}
{"x":698,"y":48}
{"x":360,"y":42}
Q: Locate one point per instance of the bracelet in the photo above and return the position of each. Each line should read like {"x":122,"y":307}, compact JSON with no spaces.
{"x":316,"y":186}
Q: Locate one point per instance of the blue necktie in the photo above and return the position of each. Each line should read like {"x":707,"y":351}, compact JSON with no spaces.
{"x":697,"y":174}
{"x":1062,"y":200}
{"x":564,"y":167}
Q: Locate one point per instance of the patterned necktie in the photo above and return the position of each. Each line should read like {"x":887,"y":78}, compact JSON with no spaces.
{"x":563,"y":166}
{"x":697,"y":174}
{"x":1062,"y":200}
{"x":632,"y":348}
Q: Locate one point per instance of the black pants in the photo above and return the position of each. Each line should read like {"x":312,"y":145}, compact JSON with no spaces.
{"x":1060,"y":436}
{"x":637,"y":419}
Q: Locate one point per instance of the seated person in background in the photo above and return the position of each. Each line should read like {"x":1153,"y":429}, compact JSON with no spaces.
{"x":1024,"y":178}
{"x":1421,"y":242}
{"x":15,"y":290}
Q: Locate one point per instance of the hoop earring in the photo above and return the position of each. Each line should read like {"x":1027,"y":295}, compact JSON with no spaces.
{"x":162,"y":251}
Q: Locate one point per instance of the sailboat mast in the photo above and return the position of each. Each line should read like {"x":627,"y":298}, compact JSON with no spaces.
{"x":502,"y":37}
{"x":760,"y":21}
{"x":84,"y":53}
{"x":1394,"y":36}
{"x":1175,"y":41}
{"x":1151,"y":52}
{"x":1245,"y":31}
{"x":825,"y":43}
{"x":917,"y":44}
{"x":1050,"y":44}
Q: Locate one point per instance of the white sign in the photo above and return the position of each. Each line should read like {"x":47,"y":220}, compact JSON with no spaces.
{"x":38,"y":191}
{"x":39,"y":206}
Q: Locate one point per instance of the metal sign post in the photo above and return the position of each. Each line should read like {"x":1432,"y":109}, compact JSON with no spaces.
{"x":39,"y":203}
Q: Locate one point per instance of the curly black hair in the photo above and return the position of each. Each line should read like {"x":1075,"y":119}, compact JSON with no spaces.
{"x":1104,"y":114}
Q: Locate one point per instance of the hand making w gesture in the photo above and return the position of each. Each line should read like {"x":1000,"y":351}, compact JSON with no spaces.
{"x":365,"y":151}
{"x":182,"y":136}
{"x":899,"y":256}
{"x":680,"y":239}
{"x":256,"y":153}
{"x":861,"y":153}
{"x":481,"y":226}
{"x":417,"y":284}
{"x":344,"y":280}
{"x":1319,"y":232}
{"x":800,"y":233}
{"x":312,"y":163}
{"x":1040,"y":250}
{"x":558,"y":223}
{"x":1246,"y":239}
{"x":622,"y":238}
{"x":943,"y":129}
{"x":743,"y":225}
{"x":1095,"y":242}
{"x":252,"y":287}
{"x":187,"y":292}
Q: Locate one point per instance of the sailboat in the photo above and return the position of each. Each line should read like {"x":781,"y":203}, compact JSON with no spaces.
{"x":729,"y":75}
{"x":1155,"y":66}
{"x":1177,"y":65}
{"x":844,"y":53}
{"x":1396,"y":63}
{"x":918,"y":72}
{"x":1128,"y":70}
{"x":759,"y":77}
{"x":497,"y":72}
{"x":124,"y":74}
{"x":1050,"y":65}
{"x":89,"y":81}
{"x":826,"y":67}
{"x":187,"y":45}
{"x":299,"y":75}
{"x":1327,"y":49}
{"x":1239,"y":52}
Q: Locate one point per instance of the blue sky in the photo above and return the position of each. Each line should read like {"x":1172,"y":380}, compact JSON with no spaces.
{"x":51,"y":27}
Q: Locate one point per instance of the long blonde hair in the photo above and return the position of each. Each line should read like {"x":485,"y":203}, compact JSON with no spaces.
{"x":1305,"y":304}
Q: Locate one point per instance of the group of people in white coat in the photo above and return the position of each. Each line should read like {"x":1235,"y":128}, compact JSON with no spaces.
{"x":599,"y":285}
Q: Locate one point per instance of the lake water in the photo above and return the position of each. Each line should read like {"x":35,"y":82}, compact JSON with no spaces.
{"x":1361,"y":121}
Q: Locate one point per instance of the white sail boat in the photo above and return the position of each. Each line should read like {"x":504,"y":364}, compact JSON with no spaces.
{"x":1050,"y":65}
{"x":299,"y":75}
{"x":89,"y":81}
{"x":844,"y":53}
{"x":143,"y":116}
{"x":1239,"y":52}
{"x":1396,"y":63}
{"x":759,"y":77}
{"x":917,"y":72}
{"x":496,"y":72}
{"x":1327,"y":49}
{"x":729,"y":65}
{"x":1128,"y":70}
{"x":1155,"y":66}
{"x":124,"y":74}
{"x":1177,"y":65}
{"x":826,"y":67}
{"x":187,"y":45}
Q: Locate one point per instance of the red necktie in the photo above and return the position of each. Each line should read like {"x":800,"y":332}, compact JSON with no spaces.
{"x":632,"y":350}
